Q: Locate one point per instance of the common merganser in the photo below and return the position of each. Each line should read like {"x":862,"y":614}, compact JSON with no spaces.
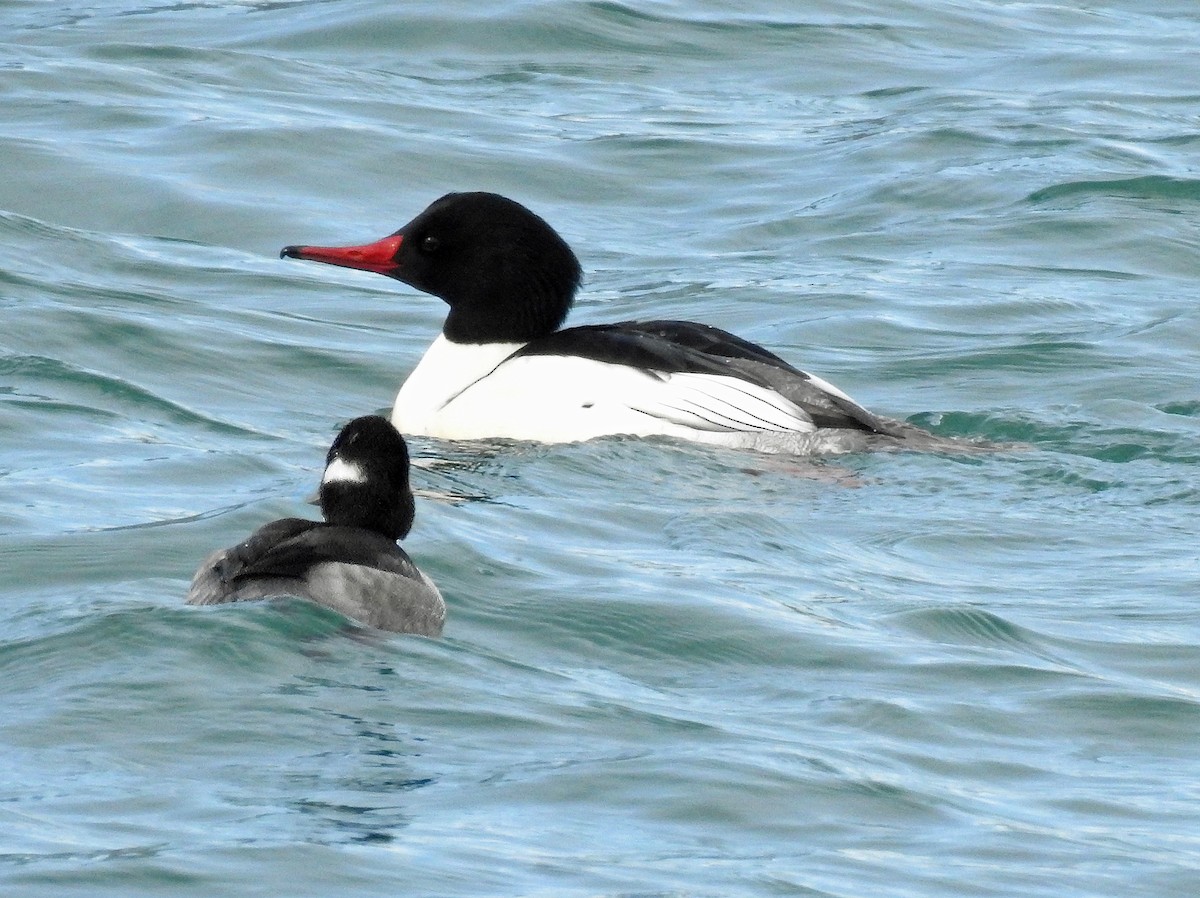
{"x":502,"y":368}
{"x":350,"y":562}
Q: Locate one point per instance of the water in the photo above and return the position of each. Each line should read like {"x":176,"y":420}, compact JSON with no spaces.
{"x":667,"y":670}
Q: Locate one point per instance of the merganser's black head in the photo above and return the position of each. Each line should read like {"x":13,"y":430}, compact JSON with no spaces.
{"x":366,"y":479}
{"x":505,"y":273}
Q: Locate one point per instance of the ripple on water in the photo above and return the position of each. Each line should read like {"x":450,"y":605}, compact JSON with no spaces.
{"x":666,"y":670}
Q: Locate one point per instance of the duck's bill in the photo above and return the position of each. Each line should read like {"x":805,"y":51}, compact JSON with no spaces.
{"x":379,"y":256}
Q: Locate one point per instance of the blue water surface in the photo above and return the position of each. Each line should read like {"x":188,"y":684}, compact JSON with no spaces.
{"x":667,"y":670}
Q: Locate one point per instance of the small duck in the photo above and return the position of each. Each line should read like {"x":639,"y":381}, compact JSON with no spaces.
{"x":503,"y":368}
{"x":349,"y":562}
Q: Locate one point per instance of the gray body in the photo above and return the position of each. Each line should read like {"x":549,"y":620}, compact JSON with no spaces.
{"x":400,"y":602}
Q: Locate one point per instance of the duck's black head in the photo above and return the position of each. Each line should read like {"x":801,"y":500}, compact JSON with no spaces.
{"x":505,"y":273}
{"x":366,"y":479}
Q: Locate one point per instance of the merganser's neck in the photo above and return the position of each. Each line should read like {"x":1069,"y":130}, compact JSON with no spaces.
{"x":446,"y":369}
{"x":505,"y":314}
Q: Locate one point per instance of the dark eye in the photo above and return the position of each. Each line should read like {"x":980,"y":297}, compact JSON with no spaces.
{"x":343,"y":441}
{"x":430,"y":244}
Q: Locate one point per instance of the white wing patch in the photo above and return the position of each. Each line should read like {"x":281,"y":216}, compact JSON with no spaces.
{"x":827,"y":387}
{"x":712,"y":402}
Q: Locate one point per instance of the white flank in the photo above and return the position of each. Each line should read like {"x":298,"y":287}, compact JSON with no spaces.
{"x":469,"y":392}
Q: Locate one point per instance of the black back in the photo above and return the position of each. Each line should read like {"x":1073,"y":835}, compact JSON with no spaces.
{"x":291,"y":547}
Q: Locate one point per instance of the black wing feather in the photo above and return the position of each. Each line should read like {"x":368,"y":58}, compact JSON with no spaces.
{"x":291,"y":547}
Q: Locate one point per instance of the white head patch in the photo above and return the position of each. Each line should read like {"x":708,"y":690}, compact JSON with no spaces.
{"x":341,"y":471}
